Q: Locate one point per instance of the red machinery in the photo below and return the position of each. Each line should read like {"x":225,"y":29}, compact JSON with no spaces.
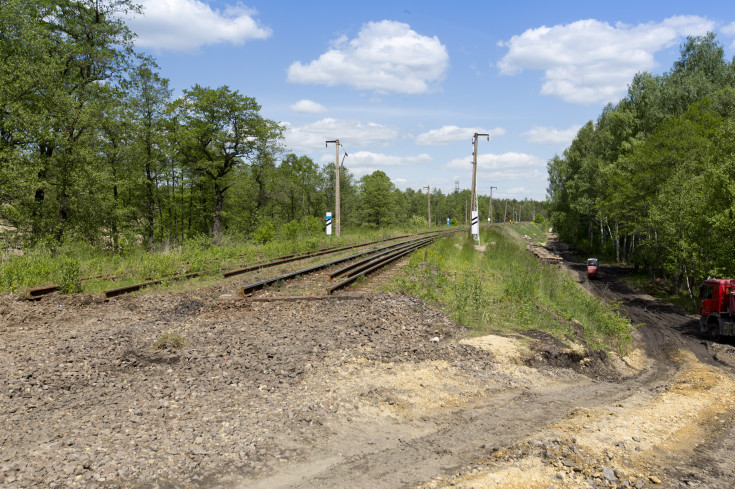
{"x":593,"y":265}
{"x":717,"y":307}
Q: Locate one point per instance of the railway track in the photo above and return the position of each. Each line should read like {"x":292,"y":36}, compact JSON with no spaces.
{"x":378,"y":256}
{"x":387,"y":255}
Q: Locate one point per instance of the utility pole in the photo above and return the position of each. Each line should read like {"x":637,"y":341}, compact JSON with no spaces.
{"x":428,"y":195}
{"x":490,"y":211}
{"x":505,"y":214}
{"x":337,"y":217}
{"x":473,"y":209}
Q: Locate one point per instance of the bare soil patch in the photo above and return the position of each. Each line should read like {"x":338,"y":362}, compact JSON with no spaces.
{"x":355,"y":392}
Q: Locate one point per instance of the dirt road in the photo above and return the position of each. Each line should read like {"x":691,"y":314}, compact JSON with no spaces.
{"x":370,"y":390}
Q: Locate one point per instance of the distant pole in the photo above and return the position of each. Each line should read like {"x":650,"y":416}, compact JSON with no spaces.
{"x":505,"y":214}
{"x":337,"y":217}
{"x":473,"y":209}
{"x":490,"y":211}
{"x":428,"y":195}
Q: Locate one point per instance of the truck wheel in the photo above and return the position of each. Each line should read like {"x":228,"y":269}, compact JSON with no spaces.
{"x":714,"y":330}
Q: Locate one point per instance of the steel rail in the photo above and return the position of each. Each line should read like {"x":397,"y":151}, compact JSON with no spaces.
{"x":108,"y":294}
{"x":36,"y":293}
{"x":366,"y":261}
{"x":294,"y":257}
{"x":376,"y":266}
{"x":386,"y":256}
{"x":250,"y":288}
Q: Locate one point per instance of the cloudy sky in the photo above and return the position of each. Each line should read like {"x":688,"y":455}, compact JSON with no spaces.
{"x":405,"y":84}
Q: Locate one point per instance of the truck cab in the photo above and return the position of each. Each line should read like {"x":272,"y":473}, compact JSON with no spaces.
{"x":717,"y":307}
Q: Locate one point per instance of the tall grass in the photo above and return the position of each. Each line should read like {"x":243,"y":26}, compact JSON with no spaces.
{"x":64,"y":265}
{"x":507,"y":289}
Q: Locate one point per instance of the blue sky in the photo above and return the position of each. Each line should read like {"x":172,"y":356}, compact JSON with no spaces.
{"x":405,"y":84}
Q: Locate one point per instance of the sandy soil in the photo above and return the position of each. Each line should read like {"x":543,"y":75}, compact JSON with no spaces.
{"x":352,"y":392}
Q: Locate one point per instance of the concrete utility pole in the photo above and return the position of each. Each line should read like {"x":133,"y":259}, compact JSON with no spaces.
{"x":505,"y":214}
{"x":473,"y":204}
{"x":428,"y":195}
{"x":337,"y":219}
{"x":490,"y":211}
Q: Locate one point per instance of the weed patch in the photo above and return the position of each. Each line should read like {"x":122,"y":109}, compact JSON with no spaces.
{"x":507,"y":289}
{"x":170,"y":341}
{"x":70,"y":276}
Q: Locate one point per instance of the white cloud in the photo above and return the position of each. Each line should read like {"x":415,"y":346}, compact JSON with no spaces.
{"x":368,"y":158}
{"x":729,"y":30}
{"x":451,"y":134}
{"x":308,"y":107}
{"x":352,"y":134}
{"x":551,"y":135}
{"x":187,"y":25}
{"x":386,"y":56}
{"x":503,"y":167}
{"x":589,"y":61}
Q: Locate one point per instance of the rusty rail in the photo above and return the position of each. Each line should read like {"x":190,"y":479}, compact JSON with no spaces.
{"x":250,"y":288}
{"x":108,"y":294}
{"x":377,"y":264}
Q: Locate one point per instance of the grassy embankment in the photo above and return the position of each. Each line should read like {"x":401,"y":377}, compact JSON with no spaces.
{"x":65,"y":264}
{"x":508,"y":289}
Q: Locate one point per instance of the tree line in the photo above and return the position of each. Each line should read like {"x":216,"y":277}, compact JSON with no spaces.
{"x":94,"y":147}
{"x":652,"y":180}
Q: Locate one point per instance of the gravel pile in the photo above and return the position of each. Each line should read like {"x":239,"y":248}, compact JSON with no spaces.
{"x":86,"y":400}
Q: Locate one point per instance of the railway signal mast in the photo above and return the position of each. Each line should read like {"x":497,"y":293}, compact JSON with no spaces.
{"x":337,"y":166}
{"x":475,"y":219}
{"x":428,"y":193}
{"x":490,"y":211}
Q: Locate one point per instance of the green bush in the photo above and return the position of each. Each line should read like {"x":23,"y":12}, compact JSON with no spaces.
{"x":264,"y":233}
{"x":69,"y":276}
{"x":418,"y":222}
{"x":291,"y":229}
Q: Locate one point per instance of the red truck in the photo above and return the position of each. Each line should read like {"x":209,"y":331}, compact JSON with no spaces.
{"x":593,"y":265}
{"x":717,"y":307}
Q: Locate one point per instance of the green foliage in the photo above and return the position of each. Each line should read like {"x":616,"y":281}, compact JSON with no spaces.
{"x":418,"y":222}
{"x":94,"y":150}
{"x":427,"y":277}
{"x":310,"y":226}
{"x":69,"y":276}
{"x":33,"y":269}
{"x":376,"y":199}
{"x":291,"y":229}
{"x":265,"y":233}
{"x":651,"y":181}
{"x":507,"y":288}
